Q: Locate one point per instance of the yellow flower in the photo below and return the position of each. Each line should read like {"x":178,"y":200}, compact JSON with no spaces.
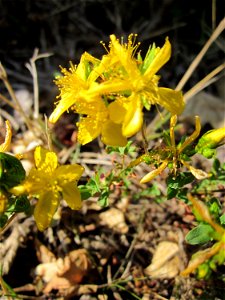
{"x":75,"y":81}
{"x":4,"y":147}
{"x":97,"y":122}
{"x":136,"y":83}
{"x":48,"y":181}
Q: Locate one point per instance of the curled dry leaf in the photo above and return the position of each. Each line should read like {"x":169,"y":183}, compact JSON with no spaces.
{"x":166,"y":261}
{"x":65,"y":272}
{"x":114,"y":219}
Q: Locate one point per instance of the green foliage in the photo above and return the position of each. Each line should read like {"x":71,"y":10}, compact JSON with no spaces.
{"x":11,"y":171}
{"x":149,"y":57}
{"x":97,"y":186}
{"x":175,"y":185}
{"x":153,"y":191}
{"x":128,"y":149}
{"x":19,"y":204}
{"x":199,"y":235}
{"x":222,"y":219}
{"x":3,"y":220}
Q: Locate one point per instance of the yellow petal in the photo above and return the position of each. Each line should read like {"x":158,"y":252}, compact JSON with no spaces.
{"x":71,"y":195}
{"x":171,"y":100}
{"x":45,"y":160}
{"x":160,"y":59}
{"x":68,"y":173}
{"x":133,"y":119}
{"x":67,"y":100}
{"x":116,"y":112}
{"x":112,"y":135}
{"x":45,"y":209}
{"x":101,"y":66}
{"x":124,"y":54}
{"x":151,"y":175}
{"x":70,"y":85}
{"x":5,"y":146}
{"x":107,"y":87}
{"x":88,"y":130}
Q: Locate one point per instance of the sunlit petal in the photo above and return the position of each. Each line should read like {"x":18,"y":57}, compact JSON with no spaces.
{"x":71,"y":195}
{"x":124,"y":54}
{"x":116,"y":112}
{"x":45,"y":209}
{"x":160,"y":59}
{"x":172,"y":100}
{"x":88,"y":129}
{"x":67,"y":100}
{"x":68,"y":173}
{"x":112,"y":135}
{"x":133,"y":119}
{"x":45,"y":160}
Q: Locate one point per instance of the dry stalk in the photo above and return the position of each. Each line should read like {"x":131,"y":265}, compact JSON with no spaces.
{"x":199,"y":57}
{"x":33,"y":70}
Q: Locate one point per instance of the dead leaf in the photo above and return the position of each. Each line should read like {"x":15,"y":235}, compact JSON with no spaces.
{"x":44,"y":255}
{"x":166,"y":261}
{"x":65,"y":272}
{"x":209,"y":108}
{"x":114,"y":219}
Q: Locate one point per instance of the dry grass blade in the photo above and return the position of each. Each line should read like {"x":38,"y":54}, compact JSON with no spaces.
{"x":199,"y":57}
{"x":207,"y":80}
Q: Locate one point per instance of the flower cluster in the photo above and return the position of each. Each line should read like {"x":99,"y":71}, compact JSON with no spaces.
{"x":110,"y":94}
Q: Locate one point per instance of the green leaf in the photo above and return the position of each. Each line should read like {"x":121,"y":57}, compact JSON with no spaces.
{"x":199,"y":235}
{"x":19,"y":204}
{"x":222,"y":219}
{"x":149,"y":57}
{"x":3,"y":220}
{"x":214,"y":207}
{"x":171,"y":192}
{"x":103,"y":199}
{"x":11,"y":171}
{"x":85,"y":192}
{"x":121,"y":150}
{"x":203,"y":271}
{"x":175,"y":184}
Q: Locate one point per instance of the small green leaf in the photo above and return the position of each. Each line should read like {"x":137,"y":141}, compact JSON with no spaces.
{"x":149,"y":57}
{"x":85,"y":192}
{"x":3,"y":220}
{"x":103,"y":199}
{"x":11,"y":171}
{"x":222,"y":219}
{"x":175,"y":184}
{"x":203,"y":271}
{"x":199,"y":235}
{"x":171,"y":192}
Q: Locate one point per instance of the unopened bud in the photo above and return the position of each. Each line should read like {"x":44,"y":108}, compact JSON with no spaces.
{"x":210,"y":141}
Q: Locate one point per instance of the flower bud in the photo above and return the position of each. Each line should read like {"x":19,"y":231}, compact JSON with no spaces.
{"x":210,"y":141}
